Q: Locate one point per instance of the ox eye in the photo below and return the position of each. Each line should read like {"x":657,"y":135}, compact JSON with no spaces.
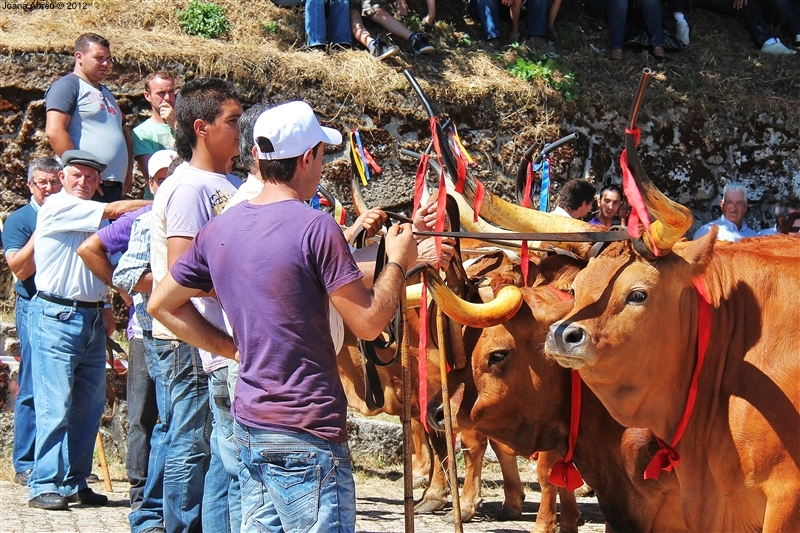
{"x":637,"y":297}
{"x":495,"y":358}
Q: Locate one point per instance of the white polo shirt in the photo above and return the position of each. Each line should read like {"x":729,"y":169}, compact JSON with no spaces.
{"x":63,"y":223}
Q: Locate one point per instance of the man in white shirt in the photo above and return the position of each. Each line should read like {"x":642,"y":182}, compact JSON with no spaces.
{"x":68,"y":336}
{"x":732,"y":226}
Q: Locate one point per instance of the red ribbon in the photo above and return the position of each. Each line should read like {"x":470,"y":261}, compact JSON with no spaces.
{"x":371,"y":161}
{"x":564,"y":472}
{"x":478,"y":198}
{"x":634,"y":196}
{"x":423,"y":350}
{"x":419,"y":180}
{"x":526,"y":202}
{"x":667,"y":458}
{"x":462,"y":173}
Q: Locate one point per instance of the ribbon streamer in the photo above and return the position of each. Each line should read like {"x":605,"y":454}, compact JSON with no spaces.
{"x":634,"y":196}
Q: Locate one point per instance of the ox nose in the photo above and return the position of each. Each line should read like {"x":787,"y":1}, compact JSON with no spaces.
{"x":436,"y":415}
{"x":567,"y":337}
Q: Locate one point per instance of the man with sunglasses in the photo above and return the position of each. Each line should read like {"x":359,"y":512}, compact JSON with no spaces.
{"x":18,"y":244}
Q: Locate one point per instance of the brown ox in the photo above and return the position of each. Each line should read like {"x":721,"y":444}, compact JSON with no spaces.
{"x":430,"y":450}
{"x":633,"y":335}
{"x":510,"y":392}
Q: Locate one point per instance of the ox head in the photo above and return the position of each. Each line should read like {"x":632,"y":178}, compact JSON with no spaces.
{"x":632,"y":321}
{"x":508,"y":390}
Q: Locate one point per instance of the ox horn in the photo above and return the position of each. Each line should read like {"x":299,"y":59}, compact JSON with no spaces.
{"x":518,"y":218}
{"x":672,"y":220}
{"x":505,"y":305}
{"x":359,"y":204}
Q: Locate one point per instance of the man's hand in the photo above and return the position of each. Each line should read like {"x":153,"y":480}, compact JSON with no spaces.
{"x":108,"y":321}
{"x":401,"y":248}
{"x":371,"y":221}
{"x":167,"y":113}
{"x":427,"y":252}
{"x":425,"y":218}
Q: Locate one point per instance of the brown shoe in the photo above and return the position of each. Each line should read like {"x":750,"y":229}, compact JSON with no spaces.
{"x":540,"y":44}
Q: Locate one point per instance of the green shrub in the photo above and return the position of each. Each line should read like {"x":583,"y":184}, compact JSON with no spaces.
{"x":552,"y":73}
{"x":205,"y":19}
{"x":271,"y":27}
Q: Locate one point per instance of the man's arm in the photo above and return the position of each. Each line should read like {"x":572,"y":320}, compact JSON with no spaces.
{"x":21,"y":262}
{"x":93,"y":252}
{"x":128,"y":183}
{"x":170,"y":305}
{"x":366,"y":312}
{"x":116,"y":209}
{"x":175,"y":248}
{"x":56,"y":130}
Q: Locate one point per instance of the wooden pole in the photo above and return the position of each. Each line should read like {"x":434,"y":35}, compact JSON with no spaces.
{"x":448,"y":424}
{"x":101,"y":451}
{"x":408,"y":445}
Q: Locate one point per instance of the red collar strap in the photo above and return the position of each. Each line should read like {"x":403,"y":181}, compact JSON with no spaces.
{"x":667,"y":457}
{"x":423,"y":351}
{"x":634,"y":196}
{"x":564,"y":472}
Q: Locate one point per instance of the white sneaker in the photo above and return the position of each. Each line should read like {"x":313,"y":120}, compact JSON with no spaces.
{"x":776,"y":48}
{"x":682,"y":32}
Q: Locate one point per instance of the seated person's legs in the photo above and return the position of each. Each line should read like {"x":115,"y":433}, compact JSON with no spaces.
{"x":488,"y":15}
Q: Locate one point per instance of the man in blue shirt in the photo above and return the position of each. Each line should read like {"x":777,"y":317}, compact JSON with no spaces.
{"x":18,"y":244}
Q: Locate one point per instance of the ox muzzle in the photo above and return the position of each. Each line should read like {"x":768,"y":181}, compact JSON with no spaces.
{"x":568,"y":343}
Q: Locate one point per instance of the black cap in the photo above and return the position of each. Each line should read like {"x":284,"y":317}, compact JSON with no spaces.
{"x":82,"y":157}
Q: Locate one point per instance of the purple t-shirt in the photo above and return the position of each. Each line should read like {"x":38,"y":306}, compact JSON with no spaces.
{"x":116,"y":235}
{"x":273,"y":267}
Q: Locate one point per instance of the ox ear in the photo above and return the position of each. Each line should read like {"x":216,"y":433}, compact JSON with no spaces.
{"x":699,"y":252}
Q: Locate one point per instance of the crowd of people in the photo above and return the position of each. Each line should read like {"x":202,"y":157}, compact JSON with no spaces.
{"x":237,"y":422}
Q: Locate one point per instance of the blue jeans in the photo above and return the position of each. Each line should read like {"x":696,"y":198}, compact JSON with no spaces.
{"x":24,"y":413}
{"x":488,"y":14}
{"x":188,"y":435}
{"x":651,"y":13}
{"x":142,"y":415}
{"x":294,"y":482}
{"x":537,"y":17}
{"x":69,"y":391}
{"x":327,"y":21}
{"x":222,"y":506}
{"x":150,"y":513}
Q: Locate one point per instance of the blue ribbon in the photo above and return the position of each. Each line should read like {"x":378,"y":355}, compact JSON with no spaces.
{"x":544,"y":195}
{"x":361,"y":154}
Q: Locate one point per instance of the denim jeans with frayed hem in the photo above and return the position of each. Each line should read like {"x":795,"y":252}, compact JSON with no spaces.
{"x":222,"y":506}
{"x":69,"y":391}
{"x":188,"y":449}
{"x":24,"y":412}
{"x":294,"y":481}
{"x":150,"y":514}
{"x":143,"y":416}
{"x":327,"y":21}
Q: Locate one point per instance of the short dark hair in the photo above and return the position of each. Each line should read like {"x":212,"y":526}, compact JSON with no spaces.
{"x":281,"y":170}
{"x":788,"y":222}
{"x":246,"y":123}
{"x":83,"y":42}
{"x":610,"y":187}
{"x":782,"y":207}
{"x":163,"y":74}
{"x":575,"y":192}
{"x":43,"y":164}
{"x":199,"y":99}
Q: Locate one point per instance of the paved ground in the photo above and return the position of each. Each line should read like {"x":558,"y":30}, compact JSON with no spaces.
{"x":380,"y":510}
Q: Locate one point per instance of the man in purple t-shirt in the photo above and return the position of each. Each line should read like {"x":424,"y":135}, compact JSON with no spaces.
{"x":275,"y":263}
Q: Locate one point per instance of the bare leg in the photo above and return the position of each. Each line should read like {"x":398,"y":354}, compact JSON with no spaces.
{"x":551,"y":16}
{"x":389,"y":23}
{"x":357,"y":27}
{"x":430,"y":18}
{"x":401,"y":7}
{"x":516,"y":6}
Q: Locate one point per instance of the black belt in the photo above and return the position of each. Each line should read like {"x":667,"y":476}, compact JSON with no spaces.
{"x":110,"y":183}
{"x":70,"y":303}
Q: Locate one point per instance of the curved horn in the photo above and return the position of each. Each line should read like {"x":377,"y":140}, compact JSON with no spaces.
{"x":505,"y":305}
{"x":359,"y":204}
{"x":672,"y":220}
{"x":413,"y":295}
{"x":518,"y":218}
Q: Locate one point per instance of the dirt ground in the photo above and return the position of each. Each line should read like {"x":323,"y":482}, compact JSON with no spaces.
{"x":379,"y":508}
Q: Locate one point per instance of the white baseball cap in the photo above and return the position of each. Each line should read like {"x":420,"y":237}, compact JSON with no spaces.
{"x":292,"y":129}
{"x":159,"y":160}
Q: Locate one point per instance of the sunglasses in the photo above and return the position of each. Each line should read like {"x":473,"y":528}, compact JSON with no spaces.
{"x":794,"y":229}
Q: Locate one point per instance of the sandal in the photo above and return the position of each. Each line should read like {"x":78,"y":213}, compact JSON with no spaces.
{"x":616,"y":54}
